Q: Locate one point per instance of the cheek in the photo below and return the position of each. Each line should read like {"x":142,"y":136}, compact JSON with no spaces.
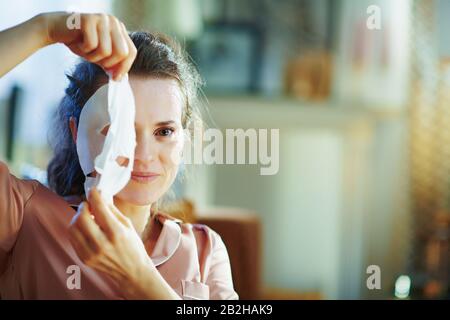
{"x":172,"y":151}
{"x":170,"y":157}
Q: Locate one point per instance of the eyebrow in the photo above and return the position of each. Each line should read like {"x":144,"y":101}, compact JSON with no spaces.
{"x":161,"y":123}
{"x":165,"y":123}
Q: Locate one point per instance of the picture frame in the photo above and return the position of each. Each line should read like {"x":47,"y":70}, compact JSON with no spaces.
{"x":228,"y":56}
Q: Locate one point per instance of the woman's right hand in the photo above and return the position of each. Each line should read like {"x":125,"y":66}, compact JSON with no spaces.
{"x":98,"y":38}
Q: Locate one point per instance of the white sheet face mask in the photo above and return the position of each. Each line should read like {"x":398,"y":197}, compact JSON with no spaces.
{"x":112,"y":105}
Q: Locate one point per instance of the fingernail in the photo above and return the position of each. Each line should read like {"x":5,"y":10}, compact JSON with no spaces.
{"x":80,"y":209}
{"x":91,"y":194}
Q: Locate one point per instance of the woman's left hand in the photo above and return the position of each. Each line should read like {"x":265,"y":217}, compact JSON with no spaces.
{"x":106,"y":240}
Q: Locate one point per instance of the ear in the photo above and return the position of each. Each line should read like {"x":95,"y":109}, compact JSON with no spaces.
{"x":73,"y":129}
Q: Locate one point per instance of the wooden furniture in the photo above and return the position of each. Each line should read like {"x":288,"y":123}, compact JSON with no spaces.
{"x":240,"y":230}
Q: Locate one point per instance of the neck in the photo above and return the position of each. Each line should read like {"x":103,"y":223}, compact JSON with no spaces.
{"x":139,"y":215}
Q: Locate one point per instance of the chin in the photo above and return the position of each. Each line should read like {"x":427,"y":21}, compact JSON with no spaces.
{"x":139,"y":195}
{"x":136,"y":199}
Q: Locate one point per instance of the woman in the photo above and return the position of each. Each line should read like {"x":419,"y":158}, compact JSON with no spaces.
{"x":48,"y":250}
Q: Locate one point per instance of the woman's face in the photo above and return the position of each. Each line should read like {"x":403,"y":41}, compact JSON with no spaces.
{"x":159,"y":137}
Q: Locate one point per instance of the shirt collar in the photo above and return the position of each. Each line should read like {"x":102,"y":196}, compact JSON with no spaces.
{"x":168,"y":240}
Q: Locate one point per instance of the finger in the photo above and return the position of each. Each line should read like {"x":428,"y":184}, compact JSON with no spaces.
{"x":75,"y":48}
{"x":90,"y":38}
{"x":103,"y":216}
{"x":120,"y":216}
{"x":125,"y":65}
{"x":104,"y":48}
{"x":89,"y":229}
{"x":119,"y":45}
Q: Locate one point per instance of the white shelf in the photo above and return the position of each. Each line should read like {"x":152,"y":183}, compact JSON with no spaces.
{"x":260,"y":112}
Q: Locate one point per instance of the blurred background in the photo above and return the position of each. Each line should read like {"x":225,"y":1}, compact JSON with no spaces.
{"x":363,"y":114}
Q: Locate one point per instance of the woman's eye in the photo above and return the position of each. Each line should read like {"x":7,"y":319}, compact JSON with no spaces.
{"x":165,"y":132}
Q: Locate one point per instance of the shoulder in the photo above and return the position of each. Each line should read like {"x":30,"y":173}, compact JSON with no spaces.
{"x":19,"y":188}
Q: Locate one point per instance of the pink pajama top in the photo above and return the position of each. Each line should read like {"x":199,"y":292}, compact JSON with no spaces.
{"x":37,"y":259}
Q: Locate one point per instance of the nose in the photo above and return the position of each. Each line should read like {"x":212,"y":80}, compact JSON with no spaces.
{"x":146,"y":147}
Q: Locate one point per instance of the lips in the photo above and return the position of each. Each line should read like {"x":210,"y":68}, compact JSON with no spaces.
{"x":144,"y":177}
